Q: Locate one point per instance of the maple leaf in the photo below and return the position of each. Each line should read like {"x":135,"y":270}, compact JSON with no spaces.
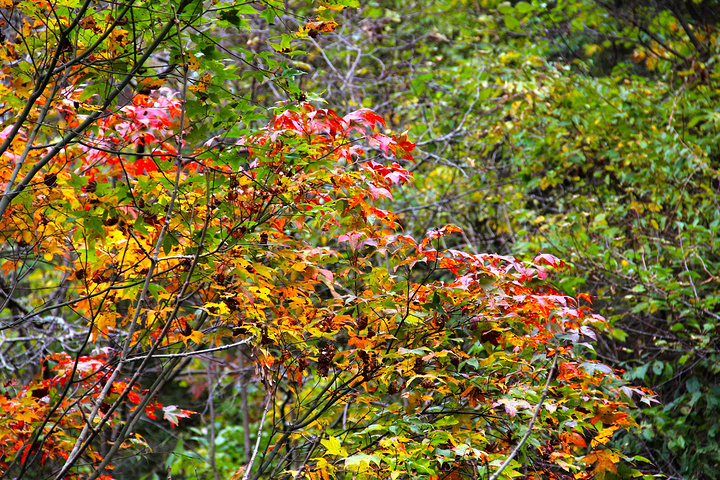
{"x":25,"y":416}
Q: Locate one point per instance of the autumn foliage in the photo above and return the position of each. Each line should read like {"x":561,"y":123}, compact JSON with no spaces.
{"x":380,"y":355}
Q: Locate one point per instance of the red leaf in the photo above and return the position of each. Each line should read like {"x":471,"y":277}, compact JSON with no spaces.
{"x":365,"y":117}
{"x":382,"y":141}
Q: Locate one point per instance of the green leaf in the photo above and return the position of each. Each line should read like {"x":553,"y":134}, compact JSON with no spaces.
{"x":693,"y":385}
{"x":619,"y":334}
{"x":524,"y":7}
{"x":269,"y":15}
{"x":362,"y":458}
{"x":511,"y":23}
{"x":505,"y":8}
{"x":168,"y":242}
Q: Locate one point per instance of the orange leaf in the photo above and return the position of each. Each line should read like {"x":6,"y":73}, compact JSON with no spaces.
{"x":574,"y":438}
{"x":358,"y":341}
{"x":321,"y":26}
{"x":611,"y":418}
{"x":606,"y":462}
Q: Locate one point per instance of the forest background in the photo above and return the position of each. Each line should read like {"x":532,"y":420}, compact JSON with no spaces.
{"x":579,"y":135}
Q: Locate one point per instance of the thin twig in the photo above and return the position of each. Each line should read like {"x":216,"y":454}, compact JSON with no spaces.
{"x":213,"y":433}
{"x":195,"y":353}
{"x":248,"y":469}
{"x":532,"y":421}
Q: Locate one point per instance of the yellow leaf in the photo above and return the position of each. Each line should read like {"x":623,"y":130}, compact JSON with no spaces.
{"x":192,"y":62}
{"x":89,"y":23}
{"x":535,"y":60}
{"x":25,"y":416}
{"x":324,"y":5}
{"x":590,"y":50}
{"x":195,"y":336}
{"x":334,"y":447}
{"x":26,"y":28}
{"x":216,"y":308}
{"x":651,"y":62}
{"x":202,"y":86}
{"x":120,"y":36}
{"x":604,"y":436}
{"x":261,"y":292}
{"x":106,"y":321}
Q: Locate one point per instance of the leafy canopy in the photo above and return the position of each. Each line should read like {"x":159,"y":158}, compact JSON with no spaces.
{"x":151,"y":229}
